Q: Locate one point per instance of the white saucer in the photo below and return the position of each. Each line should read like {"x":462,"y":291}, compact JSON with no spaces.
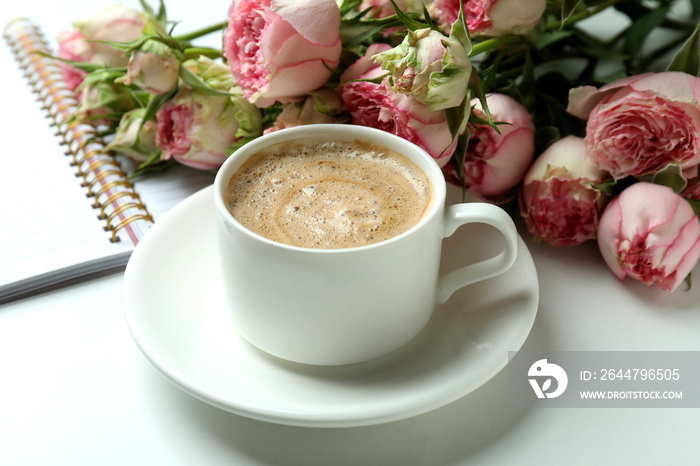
{"x":174,"y":309}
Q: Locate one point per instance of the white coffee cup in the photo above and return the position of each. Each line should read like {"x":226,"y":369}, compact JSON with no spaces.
{"x":343,"y":306}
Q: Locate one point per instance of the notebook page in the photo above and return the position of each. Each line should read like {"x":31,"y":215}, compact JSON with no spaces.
{"x":47,"y":222}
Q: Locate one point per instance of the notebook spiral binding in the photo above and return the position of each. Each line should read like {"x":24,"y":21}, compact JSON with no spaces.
{"x":114,"y":197}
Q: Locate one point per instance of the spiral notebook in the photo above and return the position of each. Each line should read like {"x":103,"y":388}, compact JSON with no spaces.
{"x":68,"y":209}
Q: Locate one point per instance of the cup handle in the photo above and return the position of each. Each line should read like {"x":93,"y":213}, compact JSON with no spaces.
{"x":460,"y":214}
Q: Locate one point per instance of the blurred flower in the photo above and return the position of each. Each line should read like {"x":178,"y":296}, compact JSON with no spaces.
{"x":103,"y":102}
{"x":321,"y":106}
{"x":113,"y":24}
{"x":651,"y":234}
{"x":433,"y":68}
{"x":494,"y":163}
{"x":279,"y":50}
{"x":377,"y":105}
{"x":73,"y":46}
{"x":640,"y":124}
{"x":200,"y":130}
{"x":491,"y":17}
{"x":153,"y":68}
{"x":133,"y":140}
{"x":558,"y":201}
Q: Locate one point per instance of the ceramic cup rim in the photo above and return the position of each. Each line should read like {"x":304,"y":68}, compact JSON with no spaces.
{"x":417,"y":155}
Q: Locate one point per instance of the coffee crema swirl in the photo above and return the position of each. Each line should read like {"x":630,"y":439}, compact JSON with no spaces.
{"x":328,"y":195}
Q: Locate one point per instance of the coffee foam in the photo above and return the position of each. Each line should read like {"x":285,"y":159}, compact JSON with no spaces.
{"x":328,"y":195}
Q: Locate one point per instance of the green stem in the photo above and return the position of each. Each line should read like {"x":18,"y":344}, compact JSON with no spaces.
{"x":493,"y":43}
{"x":195,"y":52}
{"x":202,"y":32}
{"x":555,"y":25}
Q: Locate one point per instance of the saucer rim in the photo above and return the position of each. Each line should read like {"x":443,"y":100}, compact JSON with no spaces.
{"x":296,"y":418}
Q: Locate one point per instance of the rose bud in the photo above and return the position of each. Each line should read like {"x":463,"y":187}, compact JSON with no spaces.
{"x":378,"y":106}
{"x":494,"y":163}
{"x":429,"y":66}
{"x":640,"y":124}
{"x":279,"y":50}
{"x":153,"y":68}
{"x":200,"y":130}
{"x":103,"y":103}
{"x":651,"y":234}
{"x":491,"y":17}
{"x":558,"y":201}
{"x":321,"y":106}
{"x":138,"y":145}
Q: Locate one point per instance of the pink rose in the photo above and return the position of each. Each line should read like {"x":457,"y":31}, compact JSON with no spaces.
{"x":200,"y":130}
{"x":651,"y":234}
{"x":279,"y":50}
{"x":558,"y":201}
{"x":73,"y":46}
{"x":113,"y":24}
{"x":496,"y":163}
{"x":640,"y":124}
{"x":378,"y":106}
{"x":491,"y":17}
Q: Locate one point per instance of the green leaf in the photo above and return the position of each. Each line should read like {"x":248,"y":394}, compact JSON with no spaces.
{"x":549,"y":38}
{"x":154,"y":105}
{"x":596,"y":48}
{"x":89,"y":67}
{"x":696,"y":206}
{"x":457,"y":117}
{"x":356,"y":30}
{"x":607,"y":186}
{"x":408,"y":20}
{"x":687,"y":59}
{"x":195,"y":82}
{"x":567,"y":9}
{"x":641,"y":28}
{"x":672,"y":176}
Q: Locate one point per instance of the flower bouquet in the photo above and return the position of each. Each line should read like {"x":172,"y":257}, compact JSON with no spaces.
{"x":586,"y":137}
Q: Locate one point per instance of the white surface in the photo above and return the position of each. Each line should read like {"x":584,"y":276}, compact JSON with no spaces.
{"x":75,"y":390}
{"x":176,"y":311}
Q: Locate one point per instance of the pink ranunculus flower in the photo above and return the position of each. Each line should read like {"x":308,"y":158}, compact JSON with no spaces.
{"x":491,"y":17}
{"x":640,"y":124}
{"x":113,"y":24}
{"x":558,"y":201}
{"x":692,"y":190}
{"x":279,"y":50}
{"x":495,"y":164}
{"x":651,"y":234}
{"x":378,"y":106}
